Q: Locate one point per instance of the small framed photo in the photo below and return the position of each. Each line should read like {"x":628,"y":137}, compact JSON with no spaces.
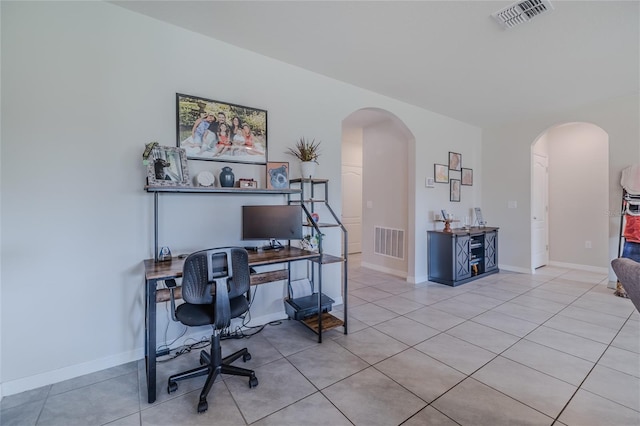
{"x":467,"y":177}
{"x":441,"y":173}
{"x":277,"y":175}
{"x":455,"y":161}
{"x":167,"y":166}
{"x":454,"y":190}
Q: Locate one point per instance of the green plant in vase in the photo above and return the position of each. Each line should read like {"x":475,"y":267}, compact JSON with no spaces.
{"x":307,"y":151}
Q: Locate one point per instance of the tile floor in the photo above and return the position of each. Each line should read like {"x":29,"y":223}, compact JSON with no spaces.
{"x":554,"y":348}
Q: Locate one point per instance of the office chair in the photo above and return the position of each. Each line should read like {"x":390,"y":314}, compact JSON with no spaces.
{"x":628,"y":272}
{"x":202,"y":270}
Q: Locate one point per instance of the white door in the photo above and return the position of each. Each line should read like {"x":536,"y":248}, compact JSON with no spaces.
{"x":540,"y":212}
{"x":352,"y":206}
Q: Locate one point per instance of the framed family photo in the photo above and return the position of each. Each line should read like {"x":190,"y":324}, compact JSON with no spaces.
{"x":220,"y":131}
{"x":167,"y":166}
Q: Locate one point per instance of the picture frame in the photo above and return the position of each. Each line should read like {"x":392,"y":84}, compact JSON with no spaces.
{"x":167,"y":166}
{"x":455,"y":161}
{"x":467,"y":177}
{"x":243,"y":139}
{"x":277,"y":175}
{"x":441,"y":173}
{"x":454,"y":190}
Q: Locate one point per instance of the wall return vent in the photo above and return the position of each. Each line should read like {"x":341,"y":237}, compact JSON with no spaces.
{"x":521,"y":12}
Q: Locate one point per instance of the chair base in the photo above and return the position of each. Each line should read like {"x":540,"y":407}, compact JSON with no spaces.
{"x":212,"y":365}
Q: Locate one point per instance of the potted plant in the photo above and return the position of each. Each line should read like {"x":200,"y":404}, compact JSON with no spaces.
{"x":307,"y":151}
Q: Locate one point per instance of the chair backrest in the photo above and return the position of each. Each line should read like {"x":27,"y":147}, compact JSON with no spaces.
{"x":203,"y":268}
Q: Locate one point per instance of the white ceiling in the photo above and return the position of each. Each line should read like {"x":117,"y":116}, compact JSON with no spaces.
{"x":449,"y":57}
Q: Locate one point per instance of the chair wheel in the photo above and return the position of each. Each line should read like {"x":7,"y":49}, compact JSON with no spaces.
{"x":253,"y":382}
{"x":172,"y":387}
{"x":246,"y":357}
{"x":202,"y":406}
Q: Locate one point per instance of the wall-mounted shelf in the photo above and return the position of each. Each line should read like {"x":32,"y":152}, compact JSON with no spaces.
{"x":218,"y":190}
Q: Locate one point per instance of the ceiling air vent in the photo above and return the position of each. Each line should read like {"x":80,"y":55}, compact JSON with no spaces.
{"x":521,"y":12}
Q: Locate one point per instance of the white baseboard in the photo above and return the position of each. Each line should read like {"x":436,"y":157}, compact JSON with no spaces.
{"x":54,"y":376}
{"x":394,"y":272}
{"x":514,"y":269}
{"x":589,"y":268}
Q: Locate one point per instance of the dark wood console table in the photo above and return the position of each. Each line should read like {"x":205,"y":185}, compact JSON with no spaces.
{"x":462,"y":255}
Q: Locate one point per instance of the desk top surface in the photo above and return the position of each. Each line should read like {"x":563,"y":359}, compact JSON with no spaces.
{"x":173,"y":268}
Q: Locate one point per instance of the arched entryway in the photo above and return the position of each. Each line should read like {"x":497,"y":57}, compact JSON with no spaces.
{"x":376,"y":190}
{"x":569,"y":201}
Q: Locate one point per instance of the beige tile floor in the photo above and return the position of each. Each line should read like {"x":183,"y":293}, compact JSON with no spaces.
{"x":554,"y":348}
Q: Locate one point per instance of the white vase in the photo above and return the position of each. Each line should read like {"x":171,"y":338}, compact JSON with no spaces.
{"x":308,"y":169}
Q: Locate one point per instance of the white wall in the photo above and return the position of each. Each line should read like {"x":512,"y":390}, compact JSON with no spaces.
{"x":507,"y":171}
{"x":85,"y":86}
{"x":578,"y":198}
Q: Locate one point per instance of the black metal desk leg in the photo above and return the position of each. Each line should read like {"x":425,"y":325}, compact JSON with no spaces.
{"x":150,"y":339}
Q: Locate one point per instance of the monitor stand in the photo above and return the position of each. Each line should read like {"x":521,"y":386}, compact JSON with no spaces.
{"x":273,"y":245}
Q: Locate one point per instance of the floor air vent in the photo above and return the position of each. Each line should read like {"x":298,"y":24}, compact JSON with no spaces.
{"x":521,"y":12}
{"x":389,"y":242}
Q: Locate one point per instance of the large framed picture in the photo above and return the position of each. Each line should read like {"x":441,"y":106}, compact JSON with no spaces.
{"x":219,"y":131}
{"x":277,"y":175}
{"x":167,"y":166}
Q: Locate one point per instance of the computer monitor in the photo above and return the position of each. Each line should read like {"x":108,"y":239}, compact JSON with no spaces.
{"x":279,"y":222}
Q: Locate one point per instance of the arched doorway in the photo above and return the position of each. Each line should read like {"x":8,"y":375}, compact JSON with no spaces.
{"x":569,"y":197}
{"x":376,"y":189}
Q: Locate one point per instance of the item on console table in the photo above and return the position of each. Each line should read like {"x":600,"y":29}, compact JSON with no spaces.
{"x":227,"y":178}
{"x":447,"y":224}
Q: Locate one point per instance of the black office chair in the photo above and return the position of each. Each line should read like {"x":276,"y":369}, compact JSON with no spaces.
{"x":203,"y":269}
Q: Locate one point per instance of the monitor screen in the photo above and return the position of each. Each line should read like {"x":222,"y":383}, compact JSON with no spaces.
{"x":281,"y":222}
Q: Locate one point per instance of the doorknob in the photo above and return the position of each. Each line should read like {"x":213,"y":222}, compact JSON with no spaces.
{"x":535,"y":218}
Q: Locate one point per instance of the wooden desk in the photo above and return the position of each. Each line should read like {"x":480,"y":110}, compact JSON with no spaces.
{"x":159,"y":271}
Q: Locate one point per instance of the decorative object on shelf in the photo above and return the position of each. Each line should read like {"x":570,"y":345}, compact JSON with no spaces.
{"x":467,"y":177}
{"x":205,"y":178}
{"x":315,"y":217}
{"x":167,"y":166}
{"x":455,"y":161}
{"x":147,"y":152}
{"x":454,"y":190}
{"x":277,"y":175}
{"x":311,"y":242}
{"x":219,"y":131}
{"x":307,"y":151}
{"x":441,"y":173}
{"x":227,"y":178}
{"x":164,"y":254}
{"x":247,"y":184}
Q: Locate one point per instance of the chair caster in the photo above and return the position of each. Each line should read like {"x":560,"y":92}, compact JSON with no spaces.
{"x":246,"y":357}
{"x":202,"y":406}
{"x":172,"y":387}
{"x":253,"y":382}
